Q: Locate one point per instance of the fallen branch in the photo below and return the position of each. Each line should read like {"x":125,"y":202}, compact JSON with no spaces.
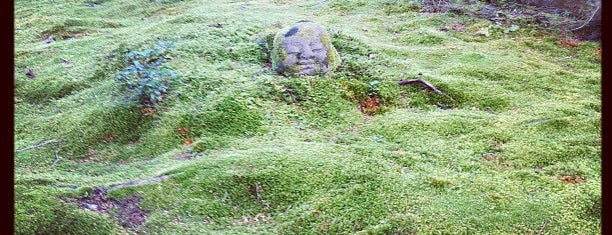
{"x":589,"y":20}
{"x":427,"y":84}
{"x":542,"y":228}
{"x":37,"y":145}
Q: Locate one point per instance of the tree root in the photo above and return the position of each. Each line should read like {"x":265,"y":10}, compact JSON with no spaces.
{"x":37,"y":145}
{"x":137,"y":182}
{"x":43,"y":143}
{"x":121,"y":185}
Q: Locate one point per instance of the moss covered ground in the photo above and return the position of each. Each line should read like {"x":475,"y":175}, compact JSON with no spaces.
{"x":513,"y":147}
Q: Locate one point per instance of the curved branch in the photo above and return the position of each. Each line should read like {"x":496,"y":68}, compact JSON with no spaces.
{"x":590,"y":18}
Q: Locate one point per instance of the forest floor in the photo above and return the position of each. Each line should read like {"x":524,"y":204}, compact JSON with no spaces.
{"x":512,"y":146}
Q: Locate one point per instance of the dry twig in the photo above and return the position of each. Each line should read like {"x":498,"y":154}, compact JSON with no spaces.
{"x":542,"y":228}
{"x":37,"y":145}
{"x":40,"y":144}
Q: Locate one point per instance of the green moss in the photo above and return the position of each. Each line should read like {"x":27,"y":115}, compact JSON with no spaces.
{"x":297,"y":154}
{"x":422,"y":39}
{"x":122,"y":123}
{"x":346,"y":6}
{"x":231,"y":117}
{"x":333,"y":58}
{"x":209,"y":128}
{"x":38,"y":212}
{"x":43,"y":90}
{"x":395,"y":7}
{"x":277,"y":55}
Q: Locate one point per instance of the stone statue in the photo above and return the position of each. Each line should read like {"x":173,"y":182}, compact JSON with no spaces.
{"x":304,"y":49}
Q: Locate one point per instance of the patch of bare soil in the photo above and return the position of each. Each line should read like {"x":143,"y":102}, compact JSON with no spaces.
{"x":127,"y":212}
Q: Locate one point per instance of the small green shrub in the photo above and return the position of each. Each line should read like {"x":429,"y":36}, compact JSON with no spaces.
{"x":145,"y":78}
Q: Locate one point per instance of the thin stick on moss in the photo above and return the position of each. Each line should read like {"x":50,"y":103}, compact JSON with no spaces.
{"x":257,"y":195}
{"x":57,"y":157}
{"x":426,"y":83}
{"x":37,"y":145}
{"x":543,"y":227}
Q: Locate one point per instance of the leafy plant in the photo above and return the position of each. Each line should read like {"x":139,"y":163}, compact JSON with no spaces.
{"x":145,"y":77}
{"x":373,"y":89}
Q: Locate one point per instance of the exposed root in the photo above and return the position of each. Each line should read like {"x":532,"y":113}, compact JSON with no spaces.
{"x":37,"y":145}
{"x":137,"y":182}
{"x":43,"y":143}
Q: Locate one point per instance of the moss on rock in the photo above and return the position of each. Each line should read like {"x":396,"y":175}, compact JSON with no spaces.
{"x":304,"y":49}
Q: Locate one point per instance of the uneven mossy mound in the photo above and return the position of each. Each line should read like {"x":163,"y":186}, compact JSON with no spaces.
{"x":38,"y":212}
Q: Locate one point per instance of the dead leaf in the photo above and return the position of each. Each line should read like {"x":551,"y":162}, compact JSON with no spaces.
{"x":183,"y":130}
{"x":110,"y":137}
{"x":490,"y":157}
{"x":30,"y":73}
{"x":147,"y":111}
{"x":568,"y":43}
{"x":370,"y":105}
{"x":572,"y":179}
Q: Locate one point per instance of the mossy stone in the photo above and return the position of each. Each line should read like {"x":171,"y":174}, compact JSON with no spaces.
{"x":304,"y":49}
